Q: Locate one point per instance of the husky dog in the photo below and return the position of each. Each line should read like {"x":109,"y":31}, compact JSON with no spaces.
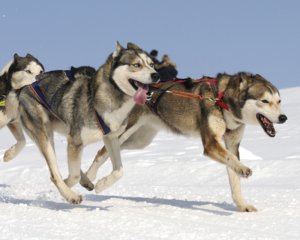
{"x":247,"y":99}
{"x":81,"y":109}
{"x":17,"y":73}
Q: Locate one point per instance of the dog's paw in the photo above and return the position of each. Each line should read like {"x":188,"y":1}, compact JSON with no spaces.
{"x":247,"y":208}
{"x":244,"y":172}
{"x":101,"y":185}
{"x":9,"y":154}
{"x":75,"y":199}
{"x":87,"y":184}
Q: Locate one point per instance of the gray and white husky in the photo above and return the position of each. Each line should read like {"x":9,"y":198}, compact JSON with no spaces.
{"x":16,"y":74}
{"x":86,"y":111}
{"x":250,"y":99}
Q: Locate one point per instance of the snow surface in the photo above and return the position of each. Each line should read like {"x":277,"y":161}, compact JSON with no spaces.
{"x":169,"y":191}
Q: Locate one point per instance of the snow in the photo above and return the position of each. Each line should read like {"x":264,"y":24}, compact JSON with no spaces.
{"x":169,"y":191}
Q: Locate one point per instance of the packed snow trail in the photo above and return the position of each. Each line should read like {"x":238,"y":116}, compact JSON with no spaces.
{"x":169,"y":191}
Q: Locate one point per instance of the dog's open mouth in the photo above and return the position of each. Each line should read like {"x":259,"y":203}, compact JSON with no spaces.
{"x":266,"y":124}
{"x":140,"y":95}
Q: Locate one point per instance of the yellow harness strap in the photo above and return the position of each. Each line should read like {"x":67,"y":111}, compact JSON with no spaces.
{"x":2,"y":103}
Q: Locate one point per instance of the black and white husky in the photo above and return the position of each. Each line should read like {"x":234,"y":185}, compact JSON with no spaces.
{"x":16,"y":74}
{"x":86,"y":111}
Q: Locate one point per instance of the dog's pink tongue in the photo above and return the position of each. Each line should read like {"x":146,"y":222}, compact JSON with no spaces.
{"x":140,"y":96}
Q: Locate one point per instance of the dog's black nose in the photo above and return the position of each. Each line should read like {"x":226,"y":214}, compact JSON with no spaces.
{"x":282,"y":118}
{"x":155,"y":77}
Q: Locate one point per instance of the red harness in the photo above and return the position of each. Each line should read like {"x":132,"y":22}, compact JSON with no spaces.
{"x":218,"y":100}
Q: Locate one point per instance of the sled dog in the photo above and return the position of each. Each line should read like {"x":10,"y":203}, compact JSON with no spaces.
{"x":227,"y":104}
{"x":17,"y":73}
{"x":86,"y":111}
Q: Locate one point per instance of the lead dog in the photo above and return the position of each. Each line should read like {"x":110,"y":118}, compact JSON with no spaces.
{"x":17,"y":73}
{"x":78,"y":108}
{"x":250,"y":100}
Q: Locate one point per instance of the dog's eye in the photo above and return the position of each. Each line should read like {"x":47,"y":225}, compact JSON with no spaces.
{"x":41,"y":71}
{"x":28,"y":71}
{"x":265,"y":101}
{"x":137,"y":65}
{"x":279,"y":101}
{"x":151,"y":65}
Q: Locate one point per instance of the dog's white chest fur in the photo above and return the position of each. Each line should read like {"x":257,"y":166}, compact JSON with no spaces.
{"x":231,"y":122}
{"x":115,"y":119}
{"x":89,"y":135}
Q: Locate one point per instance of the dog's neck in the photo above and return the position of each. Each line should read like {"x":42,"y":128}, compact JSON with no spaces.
{"x":106,"y":91}
{"x":227,"y":84}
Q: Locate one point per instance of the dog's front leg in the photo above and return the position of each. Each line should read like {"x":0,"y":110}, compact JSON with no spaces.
{"x":102,"y":154}
{"x":212,"y":137}
{"x":88,"y":177}
{"x":101,"y":157}
{"x":13,"y":151}
{"x":74,"y":161}
{"x":232,"y":140}
{"x":112,"y":145}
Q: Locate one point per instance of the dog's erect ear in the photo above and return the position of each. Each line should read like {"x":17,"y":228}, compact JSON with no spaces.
{"x":258,"y":76}
{"x":243,"y":81}
{"x":28,"y":55}
{"x":16,"y":56}
{"x":133,"y":46}
{"x":117,"y":50}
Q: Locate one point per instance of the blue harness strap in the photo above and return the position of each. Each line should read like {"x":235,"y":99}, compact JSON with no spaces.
{"x":105,"y":129}
{"x":40,"y":96}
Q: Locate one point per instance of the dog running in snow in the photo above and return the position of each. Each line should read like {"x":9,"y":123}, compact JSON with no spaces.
{"x":247,"y":99}
{"x":81,"y":109}
{"x":16,"y":74}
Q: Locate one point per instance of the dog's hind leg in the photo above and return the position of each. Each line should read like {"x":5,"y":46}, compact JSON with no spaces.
{"x":232,"y":140}
{"x":112,"y":146}
{"x":74,"y":161}
{"x":49,"y":154}
{"x":48,"y":151}
{"x":13,"y":151}
{"x":42,"y":135}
